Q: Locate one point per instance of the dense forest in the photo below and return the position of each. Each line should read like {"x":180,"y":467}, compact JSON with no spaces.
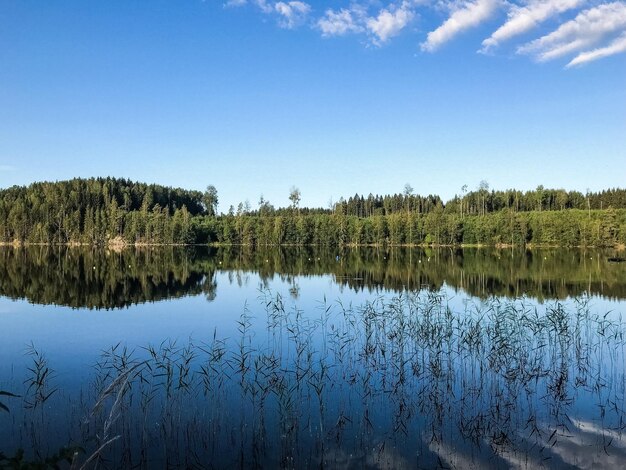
{"x":100,"y":211}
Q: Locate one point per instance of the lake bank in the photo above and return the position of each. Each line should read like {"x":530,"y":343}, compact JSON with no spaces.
{"x":121,"y":244}
{"x":112,"y":211}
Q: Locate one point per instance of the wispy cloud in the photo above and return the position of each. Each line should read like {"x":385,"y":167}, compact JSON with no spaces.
{"x":465,"y":15}
{"x":264,"y":5}
{"x":344,"y":21}
{"x":522,"y":19}
{"x":292,"y":14}
{"x":616,"y":47}
{"x":7,"y":168}
{"x":390,"y":21}
{"x":589,"y":34}
{"x":588,"y":28}
{"x":235,"y":3}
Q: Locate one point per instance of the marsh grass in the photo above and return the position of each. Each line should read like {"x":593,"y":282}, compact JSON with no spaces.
{"x":4,"y":393}
{"x":406,"y":382}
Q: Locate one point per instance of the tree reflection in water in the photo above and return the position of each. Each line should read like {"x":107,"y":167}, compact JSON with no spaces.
{"x":402,"y":382}
{"x":98,"y":278}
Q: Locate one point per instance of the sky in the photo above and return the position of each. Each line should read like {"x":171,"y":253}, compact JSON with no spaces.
{"x":334,"y":98}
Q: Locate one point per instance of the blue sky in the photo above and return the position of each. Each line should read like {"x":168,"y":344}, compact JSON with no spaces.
{"x":332,"y":97}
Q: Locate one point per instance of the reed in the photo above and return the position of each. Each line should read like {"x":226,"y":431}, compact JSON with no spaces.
{"x":407,"y":381}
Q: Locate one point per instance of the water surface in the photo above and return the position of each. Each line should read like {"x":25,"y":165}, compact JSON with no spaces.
{"x":381,"y":358}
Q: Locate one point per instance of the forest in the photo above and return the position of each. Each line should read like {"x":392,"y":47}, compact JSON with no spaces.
{"x":100,"y":211}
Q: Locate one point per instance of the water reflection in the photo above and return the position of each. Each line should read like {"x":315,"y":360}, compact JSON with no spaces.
{"x":79,"y":277}
{"x":402,"y":382}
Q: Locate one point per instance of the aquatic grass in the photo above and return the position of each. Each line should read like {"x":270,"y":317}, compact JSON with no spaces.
{"x":4,"y":393}
{"x":117,"y":389}
{"x":39,"y":388}
{"x":497,"y":381}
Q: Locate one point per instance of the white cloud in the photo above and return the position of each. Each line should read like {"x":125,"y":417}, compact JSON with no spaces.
{"x":7,"y":168}
{"x":338,"y":23}
{"x":522,"y":19}
{"x":264,"y":6}
{"x":616,"y":47}
{"x":588,"y":28}
{"x":235,"y":3}
{"x":390,"y":21}
{"x":385,"y":24}
{"x":465,"y":16}
{"x":588,"y":35}
{"x":292,"y":14}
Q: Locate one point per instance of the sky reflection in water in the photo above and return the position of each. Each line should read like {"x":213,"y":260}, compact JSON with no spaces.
{"x":406,"y":383}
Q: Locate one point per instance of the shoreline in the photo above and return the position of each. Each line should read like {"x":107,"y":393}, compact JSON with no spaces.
{"x":121,"y":245}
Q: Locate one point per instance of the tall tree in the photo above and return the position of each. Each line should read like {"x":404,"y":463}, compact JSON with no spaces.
{"x":483,"y":188}
{"x":464,"y":191}
{"x":408,"y":192}
{"x":210,"y":200}
{"x":265,"y":208}
{"x":294,"y":197}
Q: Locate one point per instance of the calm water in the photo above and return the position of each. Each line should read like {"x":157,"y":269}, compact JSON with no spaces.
{"x":298,"y":358}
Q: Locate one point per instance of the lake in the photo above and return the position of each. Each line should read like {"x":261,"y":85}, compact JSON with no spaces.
{"x":312,"y":358}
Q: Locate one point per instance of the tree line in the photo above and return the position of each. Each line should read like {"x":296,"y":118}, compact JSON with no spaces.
{"x":482,"y":201}
{"x":574,"y":227}
{"x":98,"y":211}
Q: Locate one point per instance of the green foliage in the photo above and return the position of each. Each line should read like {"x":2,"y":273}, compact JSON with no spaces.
{"x":482,"y":202}
{"x":566,"y":228}
{"x":97,"y":210}
{"x":101,"y":211}
{"x":210,"y":200}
